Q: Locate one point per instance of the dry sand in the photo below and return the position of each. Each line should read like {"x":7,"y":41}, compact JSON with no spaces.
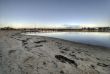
{"x":21,"y":54}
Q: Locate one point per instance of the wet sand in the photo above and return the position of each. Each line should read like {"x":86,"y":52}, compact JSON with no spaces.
{"x":21,"y":54}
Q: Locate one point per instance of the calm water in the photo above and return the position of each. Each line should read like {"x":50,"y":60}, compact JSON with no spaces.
{"x":93,"y":38}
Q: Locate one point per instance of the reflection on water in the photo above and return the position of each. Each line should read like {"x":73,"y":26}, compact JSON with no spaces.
{"x":94,"y":38}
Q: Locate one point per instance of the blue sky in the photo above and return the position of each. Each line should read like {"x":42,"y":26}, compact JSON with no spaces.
{"x":28,"y":13}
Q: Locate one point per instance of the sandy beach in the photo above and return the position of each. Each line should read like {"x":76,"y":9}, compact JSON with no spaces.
{"x":24,"y":54}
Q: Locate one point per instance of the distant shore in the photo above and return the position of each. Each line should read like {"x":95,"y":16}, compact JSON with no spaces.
{"x":22,"y":54}
{"x":65,"y":29}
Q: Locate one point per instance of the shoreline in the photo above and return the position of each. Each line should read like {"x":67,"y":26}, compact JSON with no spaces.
{"x":73,"y":42}
{"x":26,"y":54}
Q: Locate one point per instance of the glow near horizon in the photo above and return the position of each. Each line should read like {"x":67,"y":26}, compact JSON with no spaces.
{"x":55,"y":13}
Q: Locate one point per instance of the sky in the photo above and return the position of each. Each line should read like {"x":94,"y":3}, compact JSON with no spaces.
{"x":54,"y":13}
